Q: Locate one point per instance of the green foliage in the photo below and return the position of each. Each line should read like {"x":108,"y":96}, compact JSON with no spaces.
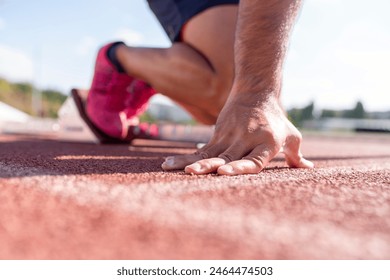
{"x":326,"y":113}
{"x":146,"y":117}
{"x":356,"y":113}
{"x":298,"y":115}
{"x":5,"y":87}
{"x":19,"y":95}
{"x":23,"y":87}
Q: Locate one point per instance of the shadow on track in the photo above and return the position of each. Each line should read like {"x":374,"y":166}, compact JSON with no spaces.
{"x":27,"y":157}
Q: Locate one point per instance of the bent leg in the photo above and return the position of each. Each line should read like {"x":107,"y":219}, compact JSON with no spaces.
{"x":196,"y":73}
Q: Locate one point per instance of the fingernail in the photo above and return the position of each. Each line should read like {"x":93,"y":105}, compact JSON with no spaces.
{"x":170,"y":161}
{"x":195,"y":167}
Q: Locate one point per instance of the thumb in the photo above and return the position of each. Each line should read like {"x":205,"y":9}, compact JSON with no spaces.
{"x":292,"y":151}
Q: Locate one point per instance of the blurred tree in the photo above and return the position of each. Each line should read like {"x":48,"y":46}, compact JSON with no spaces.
{"x":5,"y":87}
{"x":358,"y":112}
{"x":23,"y":87}
{"x":326,"y":113}
{"x":19,"y":95}
{"x":307,"y":112}
{"x":298,"y":115}
{"x":146,"y":117}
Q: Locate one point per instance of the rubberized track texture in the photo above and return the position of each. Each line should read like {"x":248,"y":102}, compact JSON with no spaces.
{"x":84,"y":201}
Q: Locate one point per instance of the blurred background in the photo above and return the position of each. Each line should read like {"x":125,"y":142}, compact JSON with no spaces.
{"x":336,"y":73}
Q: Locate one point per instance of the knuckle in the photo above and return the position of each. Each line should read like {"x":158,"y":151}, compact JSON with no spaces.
{"x":211,"y":151}
{"x":297,"y":137}
{"x":207,"y":165}
{"x":294,"y":140}
{"x":204,"y":154}
{"x":226,"y":157}
{"x":257,"y":160}
{"x":269,"y":136}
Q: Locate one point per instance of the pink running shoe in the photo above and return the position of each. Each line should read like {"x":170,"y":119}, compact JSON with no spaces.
{"x":116,"y":99}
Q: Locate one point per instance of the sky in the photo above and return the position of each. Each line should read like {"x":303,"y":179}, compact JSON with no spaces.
{"x":339,"y":50}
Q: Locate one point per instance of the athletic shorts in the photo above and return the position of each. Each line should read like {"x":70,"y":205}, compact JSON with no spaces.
{"x":173,"y":14}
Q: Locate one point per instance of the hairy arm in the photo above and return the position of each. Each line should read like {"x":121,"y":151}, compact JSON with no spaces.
{"x":262,"y":35}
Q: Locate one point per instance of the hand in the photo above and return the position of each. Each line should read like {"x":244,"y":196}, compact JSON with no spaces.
{"x":249,"y":133}
{"x":252,"y":128}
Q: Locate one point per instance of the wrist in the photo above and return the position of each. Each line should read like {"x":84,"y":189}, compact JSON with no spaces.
{"x":262,"y":101}
{"x":263,"y":89}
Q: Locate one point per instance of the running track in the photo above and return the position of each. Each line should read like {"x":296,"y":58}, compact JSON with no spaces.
{"x":84,"y":201}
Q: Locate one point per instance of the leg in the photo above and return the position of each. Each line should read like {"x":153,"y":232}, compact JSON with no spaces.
{"x":196,"y":73}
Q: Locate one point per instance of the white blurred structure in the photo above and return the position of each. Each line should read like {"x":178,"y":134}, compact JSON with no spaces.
{"x":163,"y":109}
{"x":345,"y":124}
{"x":71,"y":126}
{"x":10,"y":116}
{"x":14,"y":121}
{"x":9,"y":113}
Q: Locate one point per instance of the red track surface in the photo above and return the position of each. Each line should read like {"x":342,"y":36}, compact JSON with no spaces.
{"x":83,"y":201}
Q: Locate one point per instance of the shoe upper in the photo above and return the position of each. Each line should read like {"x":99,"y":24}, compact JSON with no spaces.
{"x":113,"y":95}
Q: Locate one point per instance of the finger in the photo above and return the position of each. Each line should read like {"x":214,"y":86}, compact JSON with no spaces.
{"x":243,"y":166}
{"x":181,"y":161}
{"x":235,"y":152}
{"x":251,"y":164}
{"x":293,"y":154}
{"x":211,"y":165}
{"x":205,"y":166}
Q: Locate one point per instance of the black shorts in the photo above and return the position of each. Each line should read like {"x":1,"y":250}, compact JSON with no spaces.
{"x":173,"y":14}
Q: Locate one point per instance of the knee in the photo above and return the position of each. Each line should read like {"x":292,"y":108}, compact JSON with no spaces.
{"x":209,"y":104}
{"x":217,"y":94}
{"x":208,"y":107}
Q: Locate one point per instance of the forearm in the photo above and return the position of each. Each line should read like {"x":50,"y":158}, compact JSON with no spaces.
{"x":261,"y":41}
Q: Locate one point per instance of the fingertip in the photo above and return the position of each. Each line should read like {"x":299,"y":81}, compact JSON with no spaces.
{"x":179,"y":162}
{"x":168,"y":164}
{"x":306,"y":163}
{"x":302,"y":163}
{"x":194,"y":168}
